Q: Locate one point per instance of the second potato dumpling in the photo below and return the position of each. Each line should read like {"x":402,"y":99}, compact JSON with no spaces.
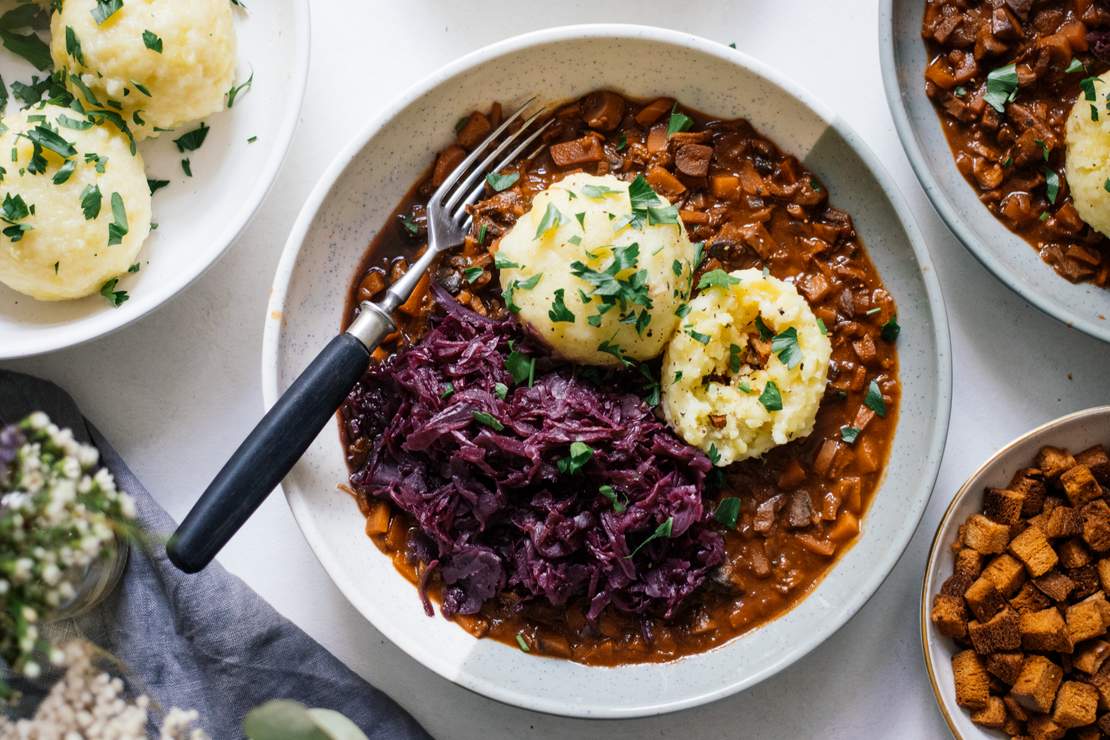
{"x":597,"y":269}
{"x":162,"y":62}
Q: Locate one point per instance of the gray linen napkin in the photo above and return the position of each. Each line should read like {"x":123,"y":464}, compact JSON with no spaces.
{"x":204,"y":641}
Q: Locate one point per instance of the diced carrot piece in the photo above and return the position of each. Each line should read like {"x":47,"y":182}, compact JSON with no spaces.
{"x":657,"y":138}
{"x":576,"y":152}
{"x":397,"y":534}
{"x":653,"y":111}
{"x":846,"y":527}
{"x":867,"y":456}
{"x":824,"y":460}
{"x":816,"y":546}
{"x":446,"y":162}
{"x":415,"y":302}
{"x":726,"y":187}
{"x":378,"y":521}
{"x":664,"y":182}
{"x":1076,"y":34}
{"x":750,"y":180}
{"x":792,"y":476}
{"x":694,"y":217}
{"x":476,"y":128}
{"x":939,"y":74}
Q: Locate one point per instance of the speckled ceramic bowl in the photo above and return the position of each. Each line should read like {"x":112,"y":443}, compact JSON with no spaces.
{"x":360,"y":190}
{"x":1073,"y":432}
{"x":1012,"y":260}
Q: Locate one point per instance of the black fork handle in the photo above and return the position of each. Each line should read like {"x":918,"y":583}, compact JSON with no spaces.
{"x":269,"y":453}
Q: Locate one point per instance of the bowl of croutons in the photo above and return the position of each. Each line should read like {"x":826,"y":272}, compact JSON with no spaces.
{"x":1015,"y":615}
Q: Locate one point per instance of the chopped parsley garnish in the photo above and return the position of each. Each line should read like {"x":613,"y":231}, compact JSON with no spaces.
{"x":764,"y":330}
{"x":552,"y":217}
{"x":91,"y":200}
{"x":471,"y":274}
{"x":698,"y":337}
{"x":614,"y":498}
{"x":678,"y":122}
{"x":520,"y":366}
{"x":152,"y":41}
{"x":891,"y":330}
{"x":821,"y":327}
{"x":187,"y":167}
{"x":1094,"y":112}
{"x":1075,"y":66}
{"x":29,"y":46}
{"x":488,"y":420}
{"x":598,"y":191}
{"x":116,"y":297}
{"x":448,"y":390}
{"x":699,"y":254}
{"x":65,"y":172}
{"x":1002,"y":87}
{"x":1052,"y":185}
{"x":507,"y":293}
{"x":118,"y":228}
{"x":960,"y":91}
{"x":849,"y":434}
{"x":237,"y":90}
{"x":622,"y":142}
{"x":874,"y":399}
{"x":717,"y":279}
{"x":646,"y":206}
{"x":105,"y":9}
{"x":734,"y":351}
{"x":580,"y":454}
{"x":13,"y":210}
{"x":482,"y":234}
{"x":771,"y":398}
{"x":156,"y":185}
{"x":1044,"y":148}
{"x":409,"y":224}
{"x":503,"y":264}
{"x":713,"y":454}
{"x":1106,"y":185}
{"x":682,"y":311}
{"x":134,"y":268}
{"x":676,"y":268}
{"x":663,"y":531}
{"x":73,"y":45}
{"x":581,"y":218}
{"x":193,"y":140}
{"x":521,"y":643}
{"x":559,"y":311}
{"x":48,"y":139}
{"x":728,"y":511}
{"x":612,"y":289}
{"x":498,"y":182}
{"x":501,"y":390}
{"x":1088,"y":86}
{"x":614,"y":349}
{"x":785,"y":345}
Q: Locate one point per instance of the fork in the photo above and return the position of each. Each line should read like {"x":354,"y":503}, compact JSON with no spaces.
{"x":290,"y":426}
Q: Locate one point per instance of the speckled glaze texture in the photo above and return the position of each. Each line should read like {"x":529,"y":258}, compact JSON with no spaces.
{"x":200,"y":216}
{"x":1073,"y":432}
{"x":1012,"y":260}
{"x":366,"y":182}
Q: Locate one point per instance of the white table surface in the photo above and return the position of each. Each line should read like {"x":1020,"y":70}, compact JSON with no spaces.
{"x":177,"y":391}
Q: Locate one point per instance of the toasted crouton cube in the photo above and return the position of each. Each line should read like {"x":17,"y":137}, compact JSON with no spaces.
{"x":1080,"y":485}
{"x":1036,"y":685}
{"x":1000,"y":632}
{"x":1055,"y":585}
{"x":1014,"y":709}
{"x":1101,"y":681}
{"x":1103,"y":724}
{"x":993,"y":715}
{"x":1029,"y":483}
{"x":984,"y":599}
{"x":972,"y":681}
{"x":1076,"y":704}
{"x":1087,"y":733}
{"x":1085,"y":579}
{"x":1029,"y":599}
{"x":1004,"y":666}
{"x":1006,"y":573}
{"x":1053,"y":461}
{"x":950,"y":615}
{"x":1062,"y":521}
{"x":969,"y":561}
{"x":1098,"y":460}
{"x":1041,"y":727}
{"x":1091,"y":657}
{"x":1096,"y":525}
{"x":956,"y":584}
{"x":1104,"y":574}
{"x":986,"y":536}
{"x":1045,"y":631}
{"x":1085,"y":620}
{"x":1074,"y":554}
{"x":1032,"y":549}
{"x":1002,"y":505}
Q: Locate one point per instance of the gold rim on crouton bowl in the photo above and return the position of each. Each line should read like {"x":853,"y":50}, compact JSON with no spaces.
{"x":1077,"y":430}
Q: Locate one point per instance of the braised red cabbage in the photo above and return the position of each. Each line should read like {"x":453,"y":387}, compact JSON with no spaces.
{"x":620,"y":523}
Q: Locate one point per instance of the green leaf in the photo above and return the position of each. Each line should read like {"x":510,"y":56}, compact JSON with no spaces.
{"x":765,"y":332}
{"x":580,"y":454}
{"x":118,"y":228}
{"x":821,"y":327}
{"x":717,"y":279}
{"x":116,"y":297}
{"x":105,"y":9}
{"x":520,"y":366}
{"x":473,"y":273}
{"x":891,"y":330}
{"x":1087,"y":84}
{"x":728,"y":511}
{"x":522,"y":643}
{"x":663,"y":531}
{"x":503,"y":264}
{"x":641,"y":195}
{"x":335,"y":725}
{"x":678,"y":122}
{"x":713,"y":454}
{"x":73,"y":45}
{"x":609,"y":348}
{"x":1074,"y":66}
{"x":51,"y":140}
{"x":91,"y":200}
{"x":237,"y":90}
{"x":14,"y":208}
{"x":1002,"y":87}
{"x":65,"y":172}
{"x":559,"y":311}
{"x":29,"y":46}
{"x":785,"y":345}
{"x":734,"y":351}
{"x":152,"y":41}
{"x":193,"y":140}
{"x":598,"y":191}
{"x":698,"y":336}
{"x":156,"y":185}
{"x":874,"y":399}
{"x":849,"y":434}
{"x":501,"y":390}
{"x":610,"y":493}
{"x":1052,"y":185}
{"x":551,"y":219}
{"x":488,"y":420}
{"x":771,"y":398}
{"x":448,"y":390}
{"x":502,"y":182}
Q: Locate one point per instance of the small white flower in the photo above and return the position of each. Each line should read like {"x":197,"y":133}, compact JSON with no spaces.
{"x":31,"y":670}
{"x":38,"y":420}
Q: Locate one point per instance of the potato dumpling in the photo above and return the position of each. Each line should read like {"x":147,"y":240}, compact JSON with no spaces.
{"x":1088,"y":154}
{"x":597,"y":269}
{"x":164,"y":62}
{"x":747,"y":369}
{"x":75,"y":204}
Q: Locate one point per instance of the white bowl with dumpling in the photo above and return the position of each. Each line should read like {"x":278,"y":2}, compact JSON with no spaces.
{"x":121,"y":195}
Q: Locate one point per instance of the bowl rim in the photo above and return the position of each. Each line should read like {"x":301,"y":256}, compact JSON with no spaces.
{"x":936,"y":548}
{"x":54,"y":341}
{"x":940,"y":199}
{"x":942,"y":383}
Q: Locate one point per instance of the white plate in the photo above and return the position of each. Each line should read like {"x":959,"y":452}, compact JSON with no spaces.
{"x":1074,"y":432}
{"x":198,"y":218}
{"x":353,"y":201}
